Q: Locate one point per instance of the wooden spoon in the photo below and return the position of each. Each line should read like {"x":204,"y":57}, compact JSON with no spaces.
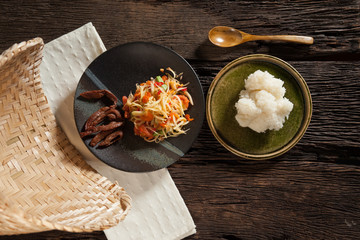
{"x":229,"y":37}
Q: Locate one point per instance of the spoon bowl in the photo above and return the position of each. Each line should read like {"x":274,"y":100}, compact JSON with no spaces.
{"x":223,"y":36}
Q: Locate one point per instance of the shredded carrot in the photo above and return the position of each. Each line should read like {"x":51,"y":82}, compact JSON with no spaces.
{"x":187,"y":116}
{"x":124,"y":99}
{"x":148,"y":116}
{"x":185,"y":101}
{"x":173,"y":114}
{"x":137,"y":94}
{"x":146,"y":97}
{"x":142,"y":131}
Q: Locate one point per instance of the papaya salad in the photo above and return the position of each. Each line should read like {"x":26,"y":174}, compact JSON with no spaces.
{"x":157,"y":108}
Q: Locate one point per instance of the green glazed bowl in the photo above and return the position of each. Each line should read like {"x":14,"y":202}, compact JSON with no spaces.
{"x":224,"y":93}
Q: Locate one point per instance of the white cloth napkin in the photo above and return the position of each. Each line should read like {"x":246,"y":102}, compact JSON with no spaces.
{"x":158,"y":210}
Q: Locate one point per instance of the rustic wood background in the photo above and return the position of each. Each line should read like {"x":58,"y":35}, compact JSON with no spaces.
{"x":311,"y":192}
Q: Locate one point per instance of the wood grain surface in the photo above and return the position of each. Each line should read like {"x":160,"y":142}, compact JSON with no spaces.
{"x":312,"y":191}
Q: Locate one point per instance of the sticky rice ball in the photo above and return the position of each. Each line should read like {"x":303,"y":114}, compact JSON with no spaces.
{"x":262,"y":105}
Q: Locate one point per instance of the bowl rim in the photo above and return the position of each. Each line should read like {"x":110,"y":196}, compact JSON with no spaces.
{"x":305,"y":93}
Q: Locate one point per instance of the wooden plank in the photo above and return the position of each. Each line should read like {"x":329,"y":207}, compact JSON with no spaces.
{"x":183,"y":26}
{"x":271,"y":199}
{"x":311,"y":192}
{"x":57,"y":235}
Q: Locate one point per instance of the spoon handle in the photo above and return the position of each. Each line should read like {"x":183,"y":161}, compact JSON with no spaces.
{"x":286,"y":38}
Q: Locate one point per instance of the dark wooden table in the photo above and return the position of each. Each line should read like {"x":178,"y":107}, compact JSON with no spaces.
{"x":311,"y":192}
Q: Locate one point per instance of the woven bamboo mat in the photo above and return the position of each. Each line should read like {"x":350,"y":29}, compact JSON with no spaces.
{"x":44,"y":182}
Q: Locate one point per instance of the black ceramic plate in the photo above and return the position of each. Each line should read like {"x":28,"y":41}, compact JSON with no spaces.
{"x":118,"y":70}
